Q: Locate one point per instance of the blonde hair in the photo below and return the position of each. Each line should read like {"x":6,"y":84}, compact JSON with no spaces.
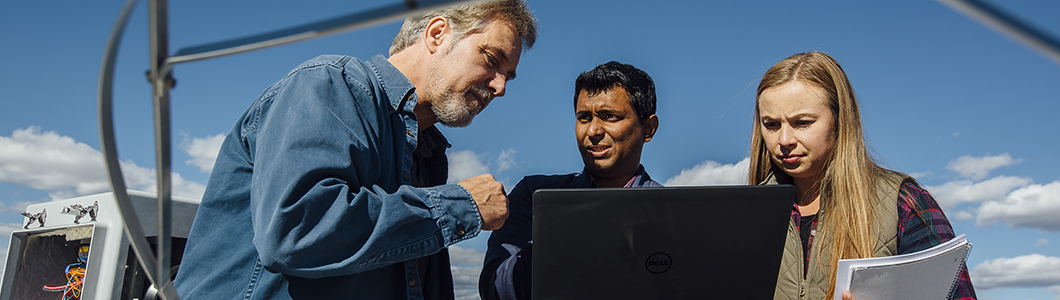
{"x":848,"y":185}
{"x":471,"y":18}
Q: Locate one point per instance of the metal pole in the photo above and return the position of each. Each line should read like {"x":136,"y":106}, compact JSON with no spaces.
{"x":1009,"y":26}
{"x":311,"y":30}
{"x":159,"y":40}
{"x":108,"y":145}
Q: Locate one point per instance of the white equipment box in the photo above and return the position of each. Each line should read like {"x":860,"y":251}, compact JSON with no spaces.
{"x":47,"y":260}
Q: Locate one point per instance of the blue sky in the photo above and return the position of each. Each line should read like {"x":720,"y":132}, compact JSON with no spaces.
{"x":967,"y":111}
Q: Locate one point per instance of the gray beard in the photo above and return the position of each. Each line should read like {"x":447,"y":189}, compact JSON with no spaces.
{"x":452,"y":108}
{"x":452,"y":111}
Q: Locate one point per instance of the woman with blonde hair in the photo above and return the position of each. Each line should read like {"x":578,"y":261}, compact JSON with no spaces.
{"x":807,"y":132}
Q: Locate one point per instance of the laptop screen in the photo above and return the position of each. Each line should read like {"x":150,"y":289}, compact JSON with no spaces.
{"x":709,"y":242}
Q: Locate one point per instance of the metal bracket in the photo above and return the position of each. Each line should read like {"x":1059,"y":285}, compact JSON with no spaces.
{"x":79,"y":211}
{"x":38,"y":217}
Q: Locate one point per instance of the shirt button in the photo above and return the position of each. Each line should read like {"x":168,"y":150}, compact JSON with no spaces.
{"x":408,"y":132}
{"x":813,"y":232}
{"x":406,"y":176}
{"x":412,"y":281}
{"x":460,"y":230}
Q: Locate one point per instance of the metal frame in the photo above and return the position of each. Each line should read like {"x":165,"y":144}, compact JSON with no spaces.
{"x":157,"y":268}
{"x":1008,"y":25}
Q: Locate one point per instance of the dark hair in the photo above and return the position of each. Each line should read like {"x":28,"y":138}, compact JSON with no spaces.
{"x":636,"y":82}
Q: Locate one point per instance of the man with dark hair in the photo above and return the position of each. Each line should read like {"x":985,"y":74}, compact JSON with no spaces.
{"x":332,"y":184}
{"x":614,"y":105}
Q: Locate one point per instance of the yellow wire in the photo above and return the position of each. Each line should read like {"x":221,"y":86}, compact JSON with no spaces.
{"x":75,"y":278}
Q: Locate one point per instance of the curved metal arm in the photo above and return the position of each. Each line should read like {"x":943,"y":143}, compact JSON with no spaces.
{"x":108,"y":146}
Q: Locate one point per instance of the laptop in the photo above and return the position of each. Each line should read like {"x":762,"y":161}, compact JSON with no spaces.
{"x":707,"y":242}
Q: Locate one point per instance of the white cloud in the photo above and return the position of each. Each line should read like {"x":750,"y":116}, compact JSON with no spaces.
{"x":1028,"y":271}
{"x":712,"y":173}
{"x":15,"y":207}
{"x":920,"y":175}
{"x":465,"y":164}
{"x":1042,"y":242}
{"x":66,"y":168}
{"x":977,"y":168}
{"x":506,"y":160}
{"x":466,"y":266}
{"x":954,"y":193}
{"x":7,"y":228}
{"x":465,"y":282}
{"x":1033,"y":206}
{"x":48,"y":161}
{"x":962,"y":215}
{"x":203,"y":151}
{"x":461,"y":256}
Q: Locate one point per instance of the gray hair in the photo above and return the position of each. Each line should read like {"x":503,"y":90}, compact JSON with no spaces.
{"x":469,"y":18}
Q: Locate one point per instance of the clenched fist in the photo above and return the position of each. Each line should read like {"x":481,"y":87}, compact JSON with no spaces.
{"x":490,"y":198}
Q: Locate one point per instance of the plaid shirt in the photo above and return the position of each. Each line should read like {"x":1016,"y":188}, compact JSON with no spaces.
{"x":917,"y":230}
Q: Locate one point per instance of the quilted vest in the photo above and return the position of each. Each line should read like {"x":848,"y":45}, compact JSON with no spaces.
{"x":790,"y":282}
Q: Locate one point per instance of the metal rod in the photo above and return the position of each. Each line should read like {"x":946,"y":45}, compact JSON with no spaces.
{"x":312,"y":30}
{"x":158,"y":24}
{"x":108,"y":146}
{"x":1009,"y":26}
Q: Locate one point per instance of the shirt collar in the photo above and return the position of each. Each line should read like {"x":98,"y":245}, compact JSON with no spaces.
{"x":398,"y":89}
{"x":638,"y":180}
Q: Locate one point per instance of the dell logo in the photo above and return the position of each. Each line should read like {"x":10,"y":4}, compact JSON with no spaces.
{"x":657,"y":263}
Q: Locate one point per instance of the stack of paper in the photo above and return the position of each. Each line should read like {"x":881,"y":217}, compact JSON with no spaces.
{"x":928,"y":274}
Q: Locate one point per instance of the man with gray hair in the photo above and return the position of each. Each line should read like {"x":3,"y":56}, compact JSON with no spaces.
{"x":332,"y":184}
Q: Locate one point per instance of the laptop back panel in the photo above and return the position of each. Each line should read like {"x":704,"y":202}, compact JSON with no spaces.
{"x":718,"y":242}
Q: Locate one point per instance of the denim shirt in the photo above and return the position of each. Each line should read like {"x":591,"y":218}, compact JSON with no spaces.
{"x":312,"y":195}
